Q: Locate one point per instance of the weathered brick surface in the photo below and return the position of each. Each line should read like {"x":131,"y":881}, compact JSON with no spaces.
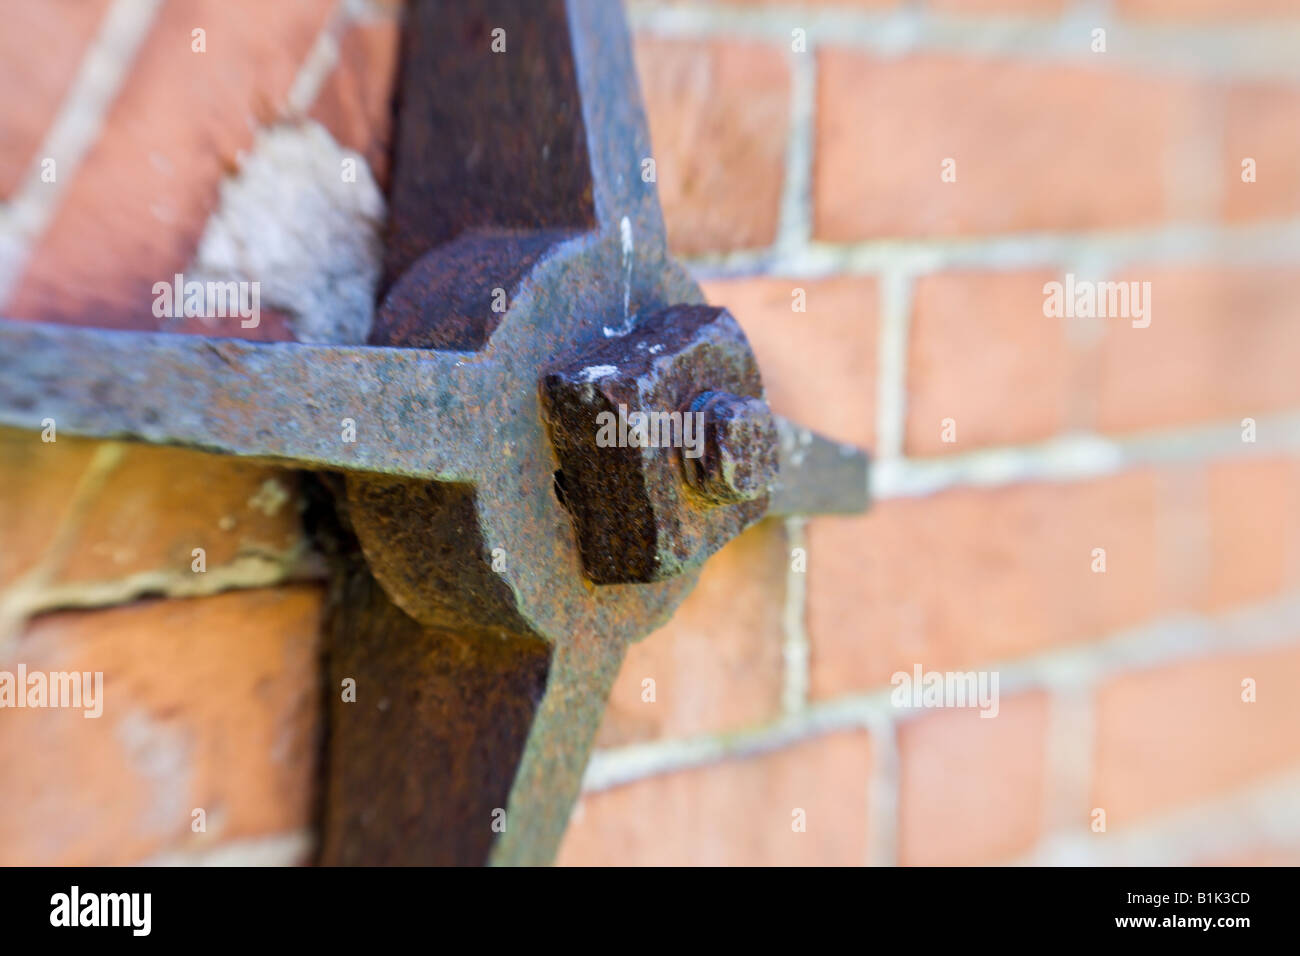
{"x":160,"y":504}
{"x":818,"y":366}
{"x":209,"y":703}
{"x":1228,"y":11}
{"x":1090,"y":148}
{"x":971,"y":788}
{"x":736,"y":813}
{"x":1223,"y":344}
{"x":1170,"y":737}
{"x":141,"y":509}
{"x":1254,"y":531}
{"x":717,"y":665}
{"x":1011,"y":7}
{"x":718,"y":114}
{"x":1260,"y":126}
{"x":1020,"y":388}
{"x":41,"y":47}
{"x":355,"y":104}
{"x":971,"y":575}
{"x":133,"y":213}
{"x":38,"y":481}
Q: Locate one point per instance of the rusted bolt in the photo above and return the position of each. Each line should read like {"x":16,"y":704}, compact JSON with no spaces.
{"x":740,"y":441}
{"x":636,"y":518}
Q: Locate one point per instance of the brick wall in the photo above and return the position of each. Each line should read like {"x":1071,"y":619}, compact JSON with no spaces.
{"x":821,"y":170}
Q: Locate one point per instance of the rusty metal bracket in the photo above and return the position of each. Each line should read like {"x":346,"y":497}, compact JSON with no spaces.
{"x":494,"y":551}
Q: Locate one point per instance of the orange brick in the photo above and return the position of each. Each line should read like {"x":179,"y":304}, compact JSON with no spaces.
{"x":1261,"y":125}
{"x":133,"y":213}
{"x":1040,"y":147}
{"x":796,"y":4}
{"x":1013,"y":7}
{"x":977,"y":575}
{"x":356,"y":102}
{"x":737,"y":813}
{"x":145,"y":511}
{"x":1182,"y":734}
{"x":1227,"y":10}
{"x":718,"y":115}
{"x":1019,"y":389}
{"x":1254,"y":531}
{"x":38,"y":479}
{"x":160,"y":504}
{"x":209,"y":703}
{"x":819,"y":366}
{"x":1223,"y":344}
{"x":717,"y":665}
{"x":971,"y":788}
{"x":41,"y":48}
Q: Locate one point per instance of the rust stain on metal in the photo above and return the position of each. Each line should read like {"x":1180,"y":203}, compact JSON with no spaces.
{"x":637,"y":518}
{"x":528,"y":289}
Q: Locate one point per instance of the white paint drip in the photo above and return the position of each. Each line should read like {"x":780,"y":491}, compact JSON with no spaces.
{"x":625,"y":234}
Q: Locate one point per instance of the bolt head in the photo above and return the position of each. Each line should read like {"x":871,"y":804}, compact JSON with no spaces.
{"x":636,"y":517}
{"x":739,"y":460}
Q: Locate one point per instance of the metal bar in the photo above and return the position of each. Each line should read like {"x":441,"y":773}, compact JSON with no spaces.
{"x":817,"y":475}
{"x":413,"y":412}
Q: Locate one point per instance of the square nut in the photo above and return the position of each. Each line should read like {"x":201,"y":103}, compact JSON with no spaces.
{"x":665,"y":443}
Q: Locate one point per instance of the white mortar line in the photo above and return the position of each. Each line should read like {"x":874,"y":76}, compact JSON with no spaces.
{"x":1081,"y":456}
{"x":1260,"y":244}
{"x":1225,"y":49}
{"x":892,"y":336}
{"x":285,"y":849}
{"x":1166,"y":641}
{"x":795,"y":224}
{"x":320,"y":61}
{"x":883,"y":792}
{"x":74,"y":130}
{"x":1260,"y":817}
{"x":1067,"y":780}
{"x":794,"y":690}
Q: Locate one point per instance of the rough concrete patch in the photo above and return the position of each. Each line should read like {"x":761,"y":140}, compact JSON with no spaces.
{"x":291,"y":221}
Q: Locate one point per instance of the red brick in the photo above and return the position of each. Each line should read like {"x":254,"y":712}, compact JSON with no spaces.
{"x":1223,"y":344}
{"x":718,"y":115}
{"x":41,"y":48}
{"x":977,"y":575}
{"x":717,"y":665}
{"x":133,"y":213}
{"x":355,"y":104}
{"x":971,"y":788}
{"x":818,"y":366}
{"x":1010,"y":7}
{"x":1020,"y":388}
{"x":737,"y":813}
{"x":1040,"y":146}
{"x":1254,"y":531}
{"x":1227,"y":10}
{"x":1180,"y":735}
{"x":209,"y":703}
{"x":1261,"y":125}
{"x":1258,"y":856}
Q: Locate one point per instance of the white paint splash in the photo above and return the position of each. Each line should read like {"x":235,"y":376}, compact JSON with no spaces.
{"x":311,"y":237}
{"x":593,"y":372}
